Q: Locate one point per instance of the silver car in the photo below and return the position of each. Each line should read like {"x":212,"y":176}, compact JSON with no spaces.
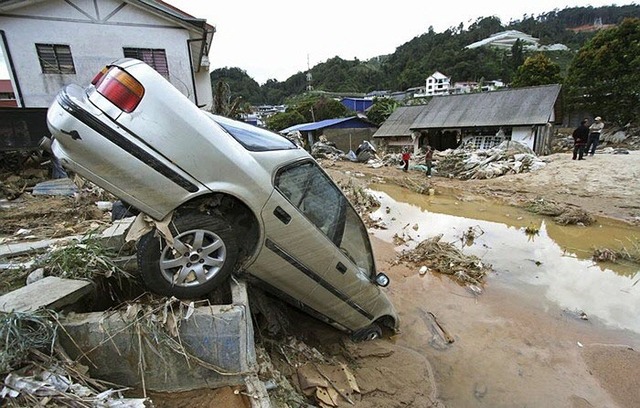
{"x":240,"y":199}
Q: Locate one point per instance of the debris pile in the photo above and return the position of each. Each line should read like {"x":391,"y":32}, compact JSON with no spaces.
{"x":444,"y":257}
{"x":323,"y":150}
{"x":628,"y":254}
{"x":507,"y":158}
{"x":562,"y":214}
{"x":363,"y":201}
{"x":38,"y":372}
{"x":611,"y":141}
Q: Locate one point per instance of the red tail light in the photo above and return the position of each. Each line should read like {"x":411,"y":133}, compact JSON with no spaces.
{"x":119,"y":88}
{"x":99,"y":75}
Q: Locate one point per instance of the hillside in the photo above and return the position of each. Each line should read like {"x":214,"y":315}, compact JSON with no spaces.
{"x":414,"y":60}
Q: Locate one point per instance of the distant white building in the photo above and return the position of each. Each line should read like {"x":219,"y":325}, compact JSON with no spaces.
{"x":506,"y":40}
{"x":437,"y":84}
{"x":464,"y":87}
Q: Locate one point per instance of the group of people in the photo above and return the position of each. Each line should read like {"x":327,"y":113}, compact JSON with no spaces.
{"x":586,"y":138}
{"x":428,"y":159}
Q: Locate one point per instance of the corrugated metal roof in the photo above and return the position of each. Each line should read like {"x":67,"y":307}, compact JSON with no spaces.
{"x":306,"y":127}
{"x":400,"y":121}
{"x":512,"y":107}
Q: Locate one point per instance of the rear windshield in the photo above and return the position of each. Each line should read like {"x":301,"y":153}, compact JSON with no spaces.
{"x":252,"y":137}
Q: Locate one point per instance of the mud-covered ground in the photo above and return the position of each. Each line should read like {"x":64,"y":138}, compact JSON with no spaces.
{"x":531,"y":355}
{"x":512,"y":349}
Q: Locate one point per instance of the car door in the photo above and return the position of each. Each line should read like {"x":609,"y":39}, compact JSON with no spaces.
{"x":304,"y":219}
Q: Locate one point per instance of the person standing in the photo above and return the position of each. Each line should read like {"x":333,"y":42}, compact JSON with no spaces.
{"x":594,"y":136}
{"x":428,"y":160}
{"x":406,"y":156}
{"x":580,"y":136}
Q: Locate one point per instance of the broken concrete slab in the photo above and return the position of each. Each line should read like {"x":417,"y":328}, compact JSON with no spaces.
{"x":114,"y":235}
{"x":212,"y":348}
{"x":21,"y":248}
{"x":50,"y":293}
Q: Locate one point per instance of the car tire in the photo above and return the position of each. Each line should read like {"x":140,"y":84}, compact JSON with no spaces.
{"x":203,"y":255}
{"x":371,"y":332}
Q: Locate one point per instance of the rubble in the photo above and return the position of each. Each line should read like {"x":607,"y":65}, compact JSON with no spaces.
{"x":509,"y":157}
{"x":445,"y":258}
{"x":562,"y":214}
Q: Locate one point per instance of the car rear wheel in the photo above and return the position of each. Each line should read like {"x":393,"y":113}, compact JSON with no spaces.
{"x":371,"y":332}
{"x":203,"y":255}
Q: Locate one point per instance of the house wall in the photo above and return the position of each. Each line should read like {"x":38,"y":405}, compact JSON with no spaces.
{"x":524,"y":135}
{"x":96,"y":35}
{"x":396,"y":143}
{"x":349,"y":139}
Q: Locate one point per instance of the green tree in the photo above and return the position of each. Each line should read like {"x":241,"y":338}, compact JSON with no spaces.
{"x":284,"y":120}
{"x":381,"y":109}
{"x":537,"y":69}
{"x":517,"y":54}
{"x":604,"y":78}
{"x":316,"y":108}
{"x":239,"y":84}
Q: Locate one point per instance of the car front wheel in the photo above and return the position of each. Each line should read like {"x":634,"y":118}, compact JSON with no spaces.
{"x":202,"y":256}
{"x":371,"y":332}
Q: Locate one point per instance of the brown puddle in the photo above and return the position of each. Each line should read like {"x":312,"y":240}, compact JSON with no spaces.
{"x":522,"y":342}
{"x":557,"y":260}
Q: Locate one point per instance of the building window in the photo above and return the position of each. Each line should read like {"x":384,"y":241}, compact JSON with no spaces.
{"x":156,"y":58}
{"x":55,"y":59}
{"x":487,"y":142}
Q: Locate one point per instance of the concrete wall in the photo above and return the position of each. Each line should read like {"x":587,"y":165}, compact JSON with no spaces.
{"x":96,"y":32}
{"x":349,"y":139}
{"x":129,"y":349}
{"x":524,"y":135}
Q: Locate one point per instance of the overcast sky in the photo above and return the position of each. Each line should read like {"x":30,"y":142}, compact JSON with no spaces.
{"x":276,"y":39}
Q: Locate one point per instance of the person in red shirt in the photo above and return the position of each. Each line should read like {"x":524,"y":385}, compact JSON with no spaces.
{"x":405,"y":159}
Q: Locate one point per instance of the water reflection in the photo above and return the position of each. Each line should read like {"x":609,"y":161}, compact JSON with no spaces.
{"x":557,"y":259}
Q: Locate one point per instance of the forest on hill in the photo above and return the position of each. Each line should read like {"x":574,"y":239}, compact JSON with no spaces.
{"x":418,"y":58}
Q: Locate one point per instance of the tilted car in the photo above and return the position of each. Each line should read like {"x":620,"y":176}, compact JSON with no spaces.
{"x":240,"y":199}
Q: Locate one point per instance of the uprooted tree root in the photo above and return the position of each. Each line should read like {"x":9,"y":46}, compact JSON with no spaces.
{"x":562,"y":214}
{"x":444,"y":257}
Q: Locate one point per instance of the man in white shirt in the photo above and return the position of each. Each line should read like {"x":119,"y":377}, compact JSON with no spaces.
{"x":594,"y":136}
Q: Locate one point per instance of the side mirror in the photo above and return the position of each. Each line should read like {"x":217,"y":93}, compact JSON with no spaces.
{"x":382,"y":280}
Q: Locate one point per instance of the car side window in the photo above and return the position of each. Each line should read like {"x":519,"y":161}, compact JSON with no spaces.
{"x":309,"y":189}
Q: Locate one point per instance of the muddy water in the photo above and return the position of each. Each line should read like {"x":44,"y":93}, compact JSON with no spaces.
{"x":522,"y":341}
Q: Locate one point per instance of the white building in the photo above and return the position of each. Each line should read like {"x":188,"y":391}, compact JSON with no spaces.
{"x":506,"y":39}
{"x":437,"y":84}
{"x":48,"y":44}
